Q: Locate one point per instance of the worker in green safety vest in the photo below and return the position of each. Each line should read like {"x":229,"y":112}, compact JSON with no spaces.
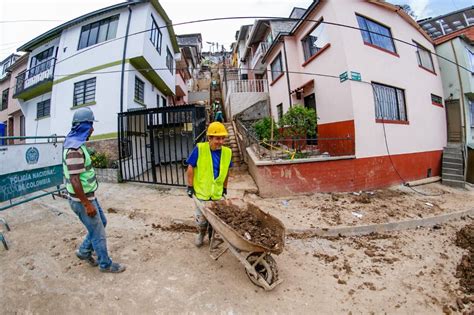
{"x":208,"y":172}
{"x":81,"y":184}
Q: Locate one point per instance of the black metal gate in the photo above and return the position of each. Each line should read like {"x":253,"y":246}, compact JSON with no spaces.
{"x":154,"y":143}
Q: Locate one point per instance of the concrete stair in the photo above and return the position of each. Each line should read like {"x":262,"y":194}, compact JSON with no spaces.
{"x":231,"y":142}
{"x":453,"y":166}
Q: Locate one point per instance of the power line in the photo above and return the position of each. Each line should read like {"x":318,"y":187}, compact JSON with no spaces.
{"x":27,"y":21}
{"x":267,"y":17}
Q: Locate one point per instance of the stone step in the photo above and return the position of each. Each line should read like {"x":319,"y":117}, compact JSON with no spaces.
{"x":454,"y":145}
{"x":452,"y":177}
{"x":452,"y":160}
{"x":452,"y":165}
{"x":453,"y":183}
{"x":453,"y":171}
{"x":457,"y":155}
{"x":452,"y":151}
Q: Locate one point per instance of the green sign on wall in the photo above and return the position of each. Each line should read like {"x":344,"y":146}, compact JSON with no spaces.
{"x":21,"y":183}
{"x":343,"y":77}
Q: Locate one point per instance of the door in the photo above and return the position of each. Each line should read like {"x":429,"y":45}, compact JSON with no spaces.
{"x":310,"y":102}
{"x":453,"y":112}
{"x":11,"y":128}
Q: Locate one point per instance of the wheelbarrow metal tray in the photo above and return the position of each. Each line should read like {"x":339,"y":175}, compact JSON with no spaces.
{"x":238,"y":241}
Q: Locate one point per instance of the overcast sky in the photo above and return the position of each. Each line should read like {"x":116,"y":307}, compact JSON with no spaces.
{"x":12,"y":35}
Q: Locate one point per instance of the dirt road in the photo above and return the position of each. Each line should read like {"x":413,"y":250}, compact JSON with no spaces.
{"x":403,"y":272}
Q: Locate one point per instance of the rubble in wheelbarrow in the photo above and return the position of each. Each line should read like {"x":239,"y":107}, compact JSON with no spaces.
{"x":245,"y":222}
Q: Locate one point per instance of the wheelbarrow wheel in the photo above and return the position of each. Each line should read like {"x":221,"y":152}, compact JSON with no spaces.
{"x":266,"y":268}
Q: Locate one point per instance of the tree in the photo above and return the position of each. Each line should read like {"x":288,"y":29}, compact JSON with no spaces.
{"x":409,"y":11}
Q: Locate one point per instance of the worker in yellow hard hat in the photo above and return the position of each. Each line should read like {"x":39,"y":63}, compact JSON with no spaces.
{"x":208,"y":172}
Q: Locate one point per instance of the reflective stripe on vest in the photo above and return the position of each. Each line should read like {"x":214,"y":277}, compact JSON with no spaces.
{"x":205,"y":186}
{"x":88,"y":178}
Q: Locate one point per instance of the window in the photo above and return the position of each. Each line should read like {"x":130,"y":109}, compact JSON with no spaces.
{"x":424,"y":58}
{"x":158,"y":97}
{"x":389,"y":102}
{"x":376,"y":34}
{"x":280,"y":111}
{"x":155,"y":35}
{"x":4,"y":104}
{"x":139,"y":90}
{"x":98,"y":32}
{"x":84,"y":92}
{"x":471,"y":110}
{"x":43,"y":109}
{"x":276,"y":68}
{"x":22,"y":126}
{"x":314,"y":41}
{"x":436,"y":100}
{"x":470,"y":55}
{"x":41,"y":62}
{"x":169,"y":60}
{"x":163,"y":102}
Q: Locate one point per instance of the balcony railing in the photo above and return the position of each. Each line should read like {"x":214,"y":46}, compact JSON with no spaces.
{"x":259,"y":53}
{"x":248,"y":86}
{"x":36,"y":75}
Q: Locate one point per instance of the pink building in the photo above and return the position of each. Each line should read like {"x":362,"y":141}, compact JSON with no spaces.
{"x":10,"y":112}
{"x":365,"y":86}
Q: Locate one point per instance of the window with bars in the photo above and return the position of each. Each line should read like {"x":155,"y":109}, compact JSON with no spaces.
{"x":84,"y":92}
{"x":280,"y":111}
{"x":155,"y":35}
{"x":98,"y":32}
{"x":276,"y":67}
{"x":139,"y":90}
{"x":314,"y":41}
{"x":389,"y":102}
{"x":169,"y":59}
{"x":4,"y":104}
{"x":436,"y":100}
{"x":376,"y":34}
{"x":424,"y":58}
{"x":43,"y":109}
{"x":41,"y":62}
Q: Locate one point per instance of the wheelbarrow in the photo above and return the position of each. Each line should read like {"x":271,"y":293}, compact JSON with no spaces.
{"x":257,"y":259}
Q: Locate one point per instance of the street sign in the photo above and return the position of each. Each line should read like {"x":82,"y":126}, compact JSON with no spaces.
{"x":27,"y":168}
{"x":343,"y":77}
{"x":355,"y":76}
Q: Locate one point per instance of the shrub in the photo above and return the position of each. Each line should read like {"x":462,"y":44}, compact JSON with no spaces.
{"x":263,"y":128}
{"x":298,"y":122}
{"x":99,"y":160}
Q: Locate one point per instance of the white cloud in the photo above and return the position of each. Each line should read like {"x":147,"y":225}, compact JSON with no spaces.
{"x":420,"y":7}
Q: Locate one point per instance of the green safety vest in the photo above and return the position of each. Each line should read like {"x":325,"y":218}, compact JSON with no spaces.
{"x":205,"y":186}
{"x":88,"y":178}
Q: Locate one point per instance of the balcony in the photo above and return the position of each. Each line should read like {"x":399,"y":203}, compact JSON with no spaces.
{"x":35,"y":81}
{"x":259,"y":53}
{"x":247,"y":86}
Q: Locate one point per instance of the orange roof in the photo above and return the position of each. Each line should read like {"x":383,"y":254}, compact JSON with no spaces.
{"x":468,"y":32}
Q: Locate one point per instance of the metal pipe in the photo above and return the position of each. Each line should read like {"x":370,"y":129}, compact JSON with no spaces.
{"x":287,"y":72}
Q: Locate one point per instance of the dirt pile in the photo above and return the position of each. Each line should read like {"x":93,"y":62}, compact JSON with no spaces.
{"x":465,"y":269}
{"x":175,"y":227}
{"x":248,"y":224}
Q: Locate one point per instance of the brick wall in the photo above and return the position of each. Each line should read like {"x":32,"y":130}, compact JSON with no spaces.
{"x":343,"y":175}
{"x":108,"y":146}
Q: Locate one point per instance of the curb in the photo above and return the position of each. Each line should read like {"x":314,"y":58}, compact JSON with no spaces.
{"x":378,"y":228}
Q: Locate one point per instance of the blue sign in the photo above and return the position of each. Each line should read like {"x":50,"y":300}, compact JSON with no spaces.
{"x":343,"y":77}
{"x":355,"y":76}
{"x":32,"y":155}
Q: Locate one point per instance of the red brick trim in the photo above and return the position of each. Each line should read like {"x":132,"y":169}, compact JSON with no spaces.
{"x":277,"y":78}
{"x":426,"y":69}
{"x":316,"y":54}
{"x":399,"y":122}
{"x":382,"y":49}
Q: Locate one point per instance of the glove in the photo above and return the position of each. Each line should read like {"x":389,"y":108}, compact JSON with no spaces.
{"x":190,"y":191}
{"x":224,"y":192}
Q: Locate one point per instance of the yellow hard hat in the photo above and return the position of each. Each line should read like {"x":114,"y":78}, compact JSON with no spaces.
{"x":216,"y":129}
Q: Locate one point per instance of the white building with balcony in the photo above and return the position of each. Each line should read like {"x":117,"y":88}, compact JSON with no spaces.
{"x":79,"y":63}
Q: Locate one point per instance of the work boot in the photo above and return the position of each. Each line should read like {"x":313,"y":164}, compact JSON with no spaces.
{"x":200,"y":237}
